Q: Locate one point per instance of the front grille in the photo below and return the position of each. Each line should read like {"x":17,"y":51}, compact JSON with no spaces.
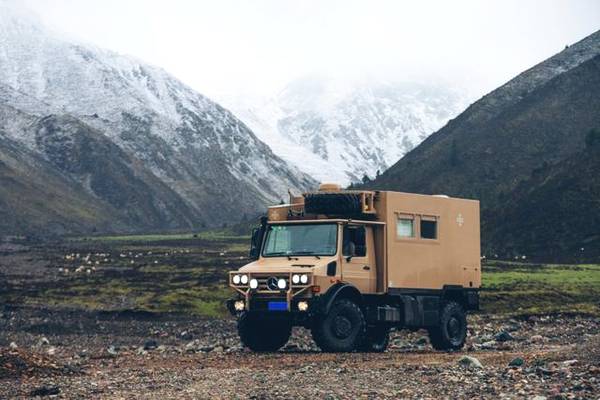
{"x":264,"y":280}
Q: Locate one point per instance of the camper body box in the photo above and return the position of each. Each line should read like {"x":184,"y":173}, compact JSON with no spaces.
{"x":446,"y":255}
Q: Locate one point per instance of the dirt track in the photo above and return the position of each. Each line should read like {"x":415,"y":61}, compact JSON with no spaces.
{"x":132,"y":355}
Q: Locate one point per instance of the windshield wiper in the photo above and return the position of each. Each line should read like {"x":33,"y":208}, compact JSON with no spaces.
{"x":281,"y":253}
{"x":307,"y":253}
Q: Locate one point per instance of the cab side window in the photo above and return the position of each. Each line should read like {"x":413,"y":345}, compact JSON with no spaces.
{"x":355,"y":243}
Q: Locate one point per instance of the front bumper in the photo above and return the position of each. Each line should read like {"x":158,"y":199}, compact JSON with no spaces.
{"x":293,"y":315}
{"x":261,"y":305}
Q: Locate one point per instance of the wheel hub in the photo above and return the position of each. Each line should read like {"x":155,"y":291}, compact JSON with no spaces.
{"x":453,"y":327}
{"x":342,"y":327}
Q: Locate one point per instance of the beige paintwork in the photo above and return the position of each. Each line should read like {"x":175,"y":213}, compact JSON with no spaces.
{"x":453,"y":258}
{"x":303,"y":265}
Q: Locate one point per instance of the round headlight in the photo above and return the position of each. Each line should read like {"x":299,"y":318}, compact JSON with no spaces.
{"x":281,"y":284}
{"x":244,"y":279}
{"x":304,"y":279}
{"x":253,"y":283}
{"x":236,"y":279}
{"x":295,"y":279}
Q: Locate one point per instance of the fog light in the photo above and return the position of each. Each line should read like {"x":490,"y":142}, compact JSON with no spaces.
{"x":253,"y":283}
{"x":239,"y":305}
{"x":302,"y":305}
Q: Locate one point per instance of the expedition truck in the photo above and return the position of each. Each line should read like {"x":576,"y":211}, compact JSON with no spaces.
{"x":351,"y":265}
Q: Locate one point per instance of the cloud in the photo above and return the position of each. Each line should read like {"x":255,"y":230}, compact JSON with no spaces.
{"x":258,"y":46}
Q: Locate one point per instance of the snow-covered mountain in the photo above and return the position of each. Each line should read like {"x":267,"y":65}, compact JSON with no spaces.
{"x":339,"y":130}
{"x":171,"y":134}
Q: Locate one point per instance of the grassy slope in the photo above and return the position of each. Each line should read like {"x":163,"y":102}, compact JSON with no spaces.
{"x":558,"y":213}
{"x":158,"y":273}
{"x":536,"y":288}
{"x":34,"y":198}
{"x":183,"y":273}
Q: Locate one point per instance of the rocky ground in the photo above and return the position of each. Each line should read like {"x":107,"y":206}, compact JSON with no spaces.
{"x":93,"y":318}
{"x":79,"y":354}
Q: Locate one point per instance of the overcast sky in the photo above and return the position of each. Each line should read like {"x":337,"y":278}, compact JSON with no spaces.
{"x":256,"y":46}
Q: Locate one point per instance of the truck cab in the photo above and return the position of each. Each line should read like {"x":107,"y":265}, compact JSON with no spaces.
{"x":328,"y":261}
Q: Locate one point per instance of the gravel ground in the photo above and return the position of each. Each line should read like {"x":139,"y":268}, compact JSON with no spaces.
{"x":76,"y":354}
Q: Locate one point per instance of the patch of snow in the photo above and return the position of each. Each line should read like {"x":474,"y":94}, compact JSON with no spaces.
{"x":338,"y":131}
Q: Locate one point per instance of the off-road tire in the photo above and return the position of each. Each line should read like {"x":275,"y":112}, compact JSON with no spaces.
{"x":263,"y":335}
{"x":342,"y":329}
{"x":451,"y":332}
{"x":377,"y":339}
{"x":332,"y":203}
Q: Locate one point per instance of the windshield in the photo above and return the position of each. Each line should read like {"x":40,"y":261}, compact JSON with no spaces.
{"x":301,"y":240}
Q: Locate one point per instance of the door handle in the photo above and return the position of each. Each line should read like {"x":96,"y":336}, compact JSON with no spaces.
{"x":366,"y":268}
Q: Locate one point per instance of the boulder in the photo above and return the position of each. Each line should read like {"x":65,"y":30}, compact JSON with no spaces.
{"x":150,"y":344}
{"x":46,"y":390}
{"x":516,"y":362}
{"x":469,"y":362}
{"x":503,"y":336}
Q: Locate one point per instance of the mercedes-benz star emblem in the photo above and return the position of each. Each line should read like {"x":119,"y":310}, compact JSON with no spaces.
{"x":272,"y":283}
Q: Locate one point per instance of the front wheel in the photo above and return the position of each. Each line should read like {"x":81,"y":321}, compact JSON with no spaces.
{"x":259,"y":334}
{"x":451,"y":332}
{"x":342,"y":329}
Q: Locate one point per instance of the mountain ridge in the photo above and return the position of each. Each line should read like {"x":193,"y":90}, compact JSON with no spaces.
{"x":204,"y":161}
{"x":341,"y":131}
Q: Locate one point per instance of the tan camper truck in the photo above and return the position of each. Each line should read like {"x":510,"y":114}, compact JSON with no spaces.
{"x":351,"y":265}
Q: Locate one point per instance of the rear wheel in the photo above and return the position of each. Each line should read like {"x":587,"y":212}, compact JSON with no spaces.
{"x":451,"y":333}
{"x":260,"y":334}
{"x":376,"y":339}
{"x":342,"y":329}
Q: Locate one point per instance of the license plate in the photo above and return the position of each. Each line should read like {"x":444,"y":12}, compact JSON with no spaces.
{"x":277,"y":306}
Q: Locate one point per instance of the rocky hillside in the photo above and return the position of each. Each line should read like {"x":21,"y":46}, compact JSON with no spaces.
{"x":36,"y":198}
{"x":538,"y":119}
{"x":338,"y":131}
{"x":555,"y":213}
{"x":130,"y":135}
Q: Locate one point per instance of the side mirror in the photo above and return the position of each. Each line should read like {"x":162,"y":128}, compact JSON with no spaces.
{"x":349,"y":258}
{"x":332,"y":268}
{"x":257,"y":239}
{"x":254,"y":244}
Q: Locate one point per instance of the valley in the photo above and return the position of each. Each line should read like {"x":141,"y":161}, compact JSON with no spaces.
{"x":126,"y":197}
{"x":143,"y":317}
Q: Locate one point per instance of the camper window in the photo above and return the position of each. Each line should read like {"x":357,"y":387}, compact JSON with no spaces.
{"x":428,"y":228}
{"x":405,"y":227}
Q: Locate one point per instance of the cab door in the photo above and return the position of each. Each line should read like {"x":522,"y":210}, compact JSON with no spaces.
{"x":358,"y":266}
